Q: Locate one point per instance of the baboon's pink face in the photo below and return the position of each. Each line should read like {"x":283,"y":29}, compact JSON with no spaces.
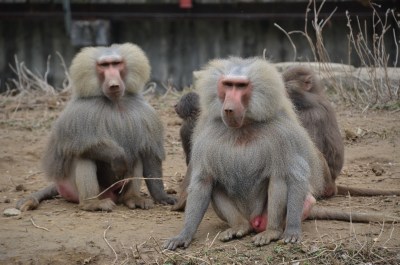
{"x":235,"y":93}
{"x":111,"y":71}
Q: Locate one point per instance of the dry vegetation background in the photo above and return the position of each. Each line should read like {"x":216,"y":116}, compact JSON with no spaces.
{"x":367,"y":103}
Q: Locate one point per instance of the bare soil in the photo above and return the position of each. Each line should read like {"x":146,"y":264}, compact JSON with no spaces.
{"x":59,"y":233}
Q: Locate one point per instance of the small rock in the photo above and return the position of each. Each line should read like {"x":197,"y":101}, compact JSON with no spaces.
{"x":11,"y":212}
{"x":378,"y":170}
{"x":361,"y":132}
{"x":20,"y":187}
{"x":7,"y":200}
{"x":350,"y":135}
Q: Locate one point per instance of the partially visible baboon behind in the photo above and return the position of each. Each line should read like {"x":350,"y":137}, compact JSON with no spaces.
{"x":106,"y":133}
{"x":316,"y":114}
{"x":318,"y":117}
{"x":188,"y":109}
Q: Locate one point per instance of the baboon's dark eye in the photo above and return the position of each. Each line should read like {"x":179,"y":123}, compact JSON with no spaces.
{"x":105,"y":64}
{"x":227,"y":83}
{"x":241,"y":85}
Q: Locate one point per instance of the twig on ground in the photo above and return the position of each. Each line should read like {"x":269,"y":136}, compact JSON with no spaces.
{"x":212,"y":242}
{"x":115,"y":183}
{"x":133,"y":254}
{"x":390,"y":237}
{"x":126,"y":254}
{"x":187,"y":256}
{"x":313,"y":257}
{"x":138,"y":252}
{"x":380,"y":234}
{"x":109,"y":245}
{"x":11,"y":180}
{"x":40,"y":227}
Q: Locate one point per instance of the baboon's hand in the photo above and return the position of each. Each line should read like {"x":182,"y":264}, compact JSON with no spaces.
{"x":166,"y":200}
{"x":178,"y":241}
{"x":291,"y":236}
{"x":26,"y":204}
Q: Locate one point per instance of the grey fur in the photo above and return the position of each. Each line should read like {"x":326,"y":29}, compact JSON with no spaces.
{"x":277,"y":160}
{"x":97,"y":141}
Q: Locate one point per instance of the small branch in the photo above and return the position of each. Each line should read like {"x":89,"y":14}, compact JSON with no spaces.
{"x":67,"y":80}
{"x":290,"y":40}
{"x":150,"y":88}
{"x":114,"y":184}
{"x":212,"y":243}
{"x":297,"y":261}
{"x":390,"y":237}
{"x":110,"y":187}
{"x":170,"y":89}
{"x":109,"y":245}
{"x":138,"y":252}
{"x":46,"y":74}
{"x":40,"y":227}
{"x":158,"y":248}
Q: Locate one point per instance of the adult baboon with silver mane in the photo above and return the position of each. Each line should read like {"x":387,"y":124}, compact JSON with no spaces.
{"x":106,"y":133}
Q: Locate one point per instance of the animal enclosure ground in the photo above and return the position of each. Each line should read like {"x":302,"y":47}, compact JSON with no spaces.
{"x":59,"y":233}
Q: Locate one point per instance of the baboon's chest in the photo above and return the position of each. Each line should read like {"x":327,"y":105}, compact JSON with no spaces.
{"x":244,"y":185}
{"x":248,"y":195}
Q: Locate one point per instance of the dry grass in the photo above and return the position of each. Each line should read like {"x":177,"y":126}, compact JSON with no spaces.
{"x":372,"y":86}
{"x":372,"y":52}
{"x":30,"y":91}
{"x":354,"y":249}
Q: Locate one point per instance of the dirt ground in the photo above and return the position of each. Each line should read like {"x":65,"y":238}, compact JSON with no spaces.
{"x":59,"y":233}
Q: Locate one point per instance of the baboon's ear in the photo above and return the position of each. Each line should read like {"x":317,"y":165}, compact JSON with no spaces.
{"x":308,"y":83}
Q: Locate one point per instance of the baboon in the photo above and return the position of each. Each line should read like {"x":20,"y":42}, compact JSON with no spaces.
{"x":252,"y":159}
{"x":106,"y":133}
{"x":318,"y":118}
{"x":188,"y":109}
{"x":316,"y":114}
{"x":251,"y":155}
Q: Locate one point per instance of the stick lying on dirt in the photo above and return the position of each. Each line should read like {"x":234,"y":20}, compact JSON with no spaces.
{"x":40,"y":227}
